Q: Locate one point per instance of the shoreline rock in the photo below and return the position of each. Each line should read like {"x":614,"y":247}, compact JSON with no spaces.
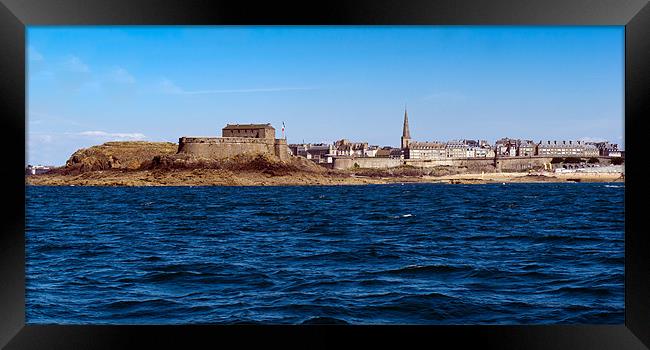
{"x":157,"y":164}
{"x":224,"y":177}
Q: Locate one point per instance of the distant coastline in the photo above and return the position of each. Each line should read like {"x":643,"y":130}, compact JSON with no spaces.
{"x":159,"y":164}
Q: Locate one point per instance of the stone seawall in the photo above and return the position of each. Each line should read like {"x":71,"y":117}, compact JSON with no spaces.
{"x":510,"y":164}
{"x":365,"y":162}
{"x":226,"y":147}
{"x":522,"y":163}
{"x":382,"y":163}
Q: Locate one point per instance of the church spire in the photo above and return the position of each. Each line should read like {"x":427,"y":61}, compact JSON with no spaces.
{"x":406,"y":134}
{"x":405,"y":131}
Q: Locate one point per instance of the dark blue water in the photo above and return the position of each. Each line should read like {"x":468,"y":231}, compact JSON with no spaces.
{"x":384,"y":254}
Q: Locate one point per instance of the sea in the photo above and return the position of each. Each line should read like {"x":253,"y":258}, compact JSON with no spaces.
{"x":516,"y":253}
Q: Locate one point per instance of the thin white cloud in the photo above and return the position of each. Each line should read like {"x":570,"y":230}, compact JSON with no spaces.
{"x":167,"y":86}
{"x":94,"y":135}
{"x":121,"y":75}
{"x":115,"y":135}
{"x":75,"y":64}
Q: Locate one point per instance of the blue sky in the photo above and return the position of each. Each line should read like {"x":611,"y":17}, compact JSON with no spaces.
{"x":89,"y":85}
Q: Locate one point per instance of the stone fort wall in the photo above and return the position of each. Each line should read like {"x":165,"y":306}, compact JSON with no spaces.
{"x":365,"y":162}
{"x":226,"y":147}
{"x":472,"y":164}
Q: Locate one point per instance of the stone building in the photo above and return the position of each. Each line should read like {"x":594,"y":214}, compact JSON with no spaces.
{"x":317,"y":152}
{"x":567,"y":149}
{"x":426,"y":150}
{"x":383,"y":152}
{"x":237,"y":139}
{"x":416,"y":149}
{"x":259,"y":131}
{"x":457,"y":149}
{"x":346,"y":148}
{"x":396,"y":153}
{"x":526,"y":148}
{"x":472,"y":149}
{"x":480,"y":152}
{"x":326,"y":153}
{"x":606,"y":149}
{"x":436,"y":150}
{"x":506,"y":147}
{"x":480,"y":149}
{"x":372,"y":151}
{"x":590,"y":151}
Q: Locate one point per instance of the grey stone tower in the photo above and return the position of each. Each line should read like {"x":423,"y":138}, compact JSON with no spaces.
{"x":406,"y":134}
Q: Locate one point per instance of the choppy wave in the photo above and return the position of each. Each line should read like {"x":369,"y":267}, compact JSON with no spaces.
{"x":394,"y":254}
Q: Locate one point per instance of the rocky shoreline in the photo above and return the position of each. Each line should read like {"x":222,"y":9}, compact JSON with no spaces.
{"x":218,"y":177}
{"x":157,"y":164}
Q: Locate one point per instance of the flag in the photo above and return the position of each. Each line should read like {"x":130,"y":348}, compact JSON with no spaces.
{"x":282,"y":126}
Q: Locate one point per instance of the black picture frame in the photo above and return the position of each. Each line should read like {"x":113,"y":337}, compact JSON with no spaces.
{"x":15,"y":15}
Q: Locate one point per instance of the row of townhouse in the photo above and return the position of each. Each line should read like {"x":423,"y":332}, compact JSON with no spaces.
{"x":345,"y":147}
{"x":435,"y":150}
{"x":607,"y":149}
{"x":452,"y":149}
{"x":567,"y":149}
{"x":317,"y":152}
{"x":507,"y":147}
{"x":324,"y":152}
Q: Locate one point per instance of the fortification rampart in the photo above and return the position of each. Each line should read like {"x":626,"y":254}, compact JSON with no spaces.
{"x":226,"y":147}
{"x":514,"y":164}
{"x":509,"y":164}
{"x":477,"y":164}
{"x":365,"y":162}
{"x":281,"y":149}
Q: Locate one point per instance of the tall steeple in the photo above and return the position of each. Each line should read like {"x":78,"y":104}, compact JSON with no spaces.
{"x":406,"y":134}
